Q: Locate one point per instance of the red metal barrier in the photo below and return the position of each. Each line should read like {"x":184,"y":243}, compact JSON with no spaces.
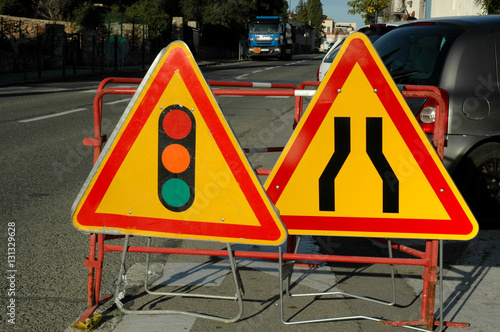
{"x":99,"y":139}
{"x":427,"y":259}
{"x":299,"y":103}
{"x":425,"y":91}
{"x":253,"y":85}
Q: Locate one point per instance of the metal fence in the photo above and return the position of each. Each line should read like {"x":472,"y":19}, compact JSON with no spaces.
{"x":28,"y":46}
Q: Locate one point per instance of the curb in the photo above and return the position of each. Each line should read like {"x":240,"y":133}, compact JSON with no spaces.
{"x":18,"y":78}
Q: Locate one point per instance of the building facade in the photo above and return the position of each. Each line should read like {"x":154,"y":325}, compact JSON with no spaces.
{"x":332,"y":31}
{"x":401,"y":9}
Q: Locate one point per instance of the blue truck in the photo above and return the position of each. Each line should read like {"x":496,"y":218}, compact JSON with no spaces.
{"x":269,"y":36}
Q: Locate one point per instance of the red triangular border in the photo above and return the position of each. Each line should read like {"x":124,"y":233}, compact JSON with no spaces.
{"x":178,"y":60}
{"x":358,"y":53}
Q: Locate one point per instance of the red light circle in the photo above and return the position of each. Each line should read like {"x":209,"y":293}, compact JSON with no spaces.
{"x":177,"y":124}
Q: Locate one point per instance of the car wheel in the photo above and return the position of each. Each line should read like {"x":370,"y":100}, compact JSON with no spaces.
{"x":478,"y":179}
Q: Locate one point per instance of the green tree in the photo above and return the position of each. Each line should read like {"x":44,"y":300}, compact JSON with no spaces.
{"x":367,"y":8}
{"x":153,"y":14}
{"x":491,"y":7}
{"x":89,"y":17}
{"x":228,"y":13}
{"x":271,"y":7}
{"x":301,"y":12}
{"x":21,"y":8}
{"x":54,"y":10}
{"x":192,"y":10}
{"x":315,"y":17}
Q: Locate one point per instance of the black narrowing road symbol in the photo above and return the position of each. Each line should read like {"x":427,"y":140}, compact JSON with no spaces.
{"x":390,"y":183}
{"x":342,"y":136}
{"x":342,"y":129}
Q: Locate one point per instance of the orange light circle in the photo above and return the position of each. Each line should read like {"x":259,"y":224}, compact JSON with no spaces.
{"x":175,"y":158}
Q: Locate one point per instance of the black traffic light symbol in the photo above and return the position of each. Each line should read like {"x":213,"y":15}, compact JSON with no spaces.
{"x":176,"y":157}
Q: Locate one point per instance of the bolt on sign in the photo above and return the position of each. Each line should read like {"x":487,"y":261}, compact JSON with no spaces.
{"x":358,"y":163}
{"x":173,"y":168}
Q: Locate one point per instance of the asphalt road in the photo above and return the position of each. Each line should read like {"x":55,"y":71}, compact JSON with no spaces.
{"x":44,"y":166}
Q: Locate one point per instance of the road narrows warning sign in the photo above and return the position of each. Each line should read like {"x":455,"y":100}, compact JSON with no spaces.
{"x":173,"y":168}
{"x":358,"y":163}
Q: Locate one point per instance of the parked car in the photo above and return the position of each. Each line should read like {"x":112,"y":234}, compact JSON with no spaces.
{"x":328,"y":58}
{"x":461,"y":57}
{"x":373,"y":31}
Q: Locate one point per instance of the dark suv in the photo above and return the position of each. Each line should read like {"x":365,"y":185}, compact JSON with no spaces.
{"x":461,"y":57}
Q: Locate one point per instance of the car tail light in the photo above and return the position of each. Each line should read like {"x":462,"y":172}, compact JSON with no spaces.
{"x":426,"y":117}
{"x":424,"y":23}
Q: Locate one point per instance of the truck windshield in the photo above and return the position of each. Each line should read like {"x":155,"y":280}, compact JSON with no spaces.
{"x":416,"y":54}
{"x":264,"y":28}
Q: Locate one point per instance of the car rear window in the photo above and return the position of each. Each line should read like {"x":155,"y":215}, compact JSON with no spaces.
{"x":330,"y":56}
{"x":372,"y":35}
{"x":374,"y":32}
{"x":416,"y":54}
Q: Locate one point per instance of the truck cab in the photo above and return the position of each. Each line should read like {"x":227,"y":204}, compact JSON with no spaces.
{"x":269,"y":36}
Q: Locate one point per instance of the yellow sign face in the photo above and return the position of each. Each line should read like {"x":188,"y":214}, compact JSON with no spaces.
{"x":173,"y":167}
{"x":358,"y":163}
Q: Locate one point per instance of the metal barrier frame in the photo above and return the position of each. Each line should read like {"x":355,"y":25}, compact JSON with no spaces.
{"x":237,"y":297}
{"x":428,"y":259}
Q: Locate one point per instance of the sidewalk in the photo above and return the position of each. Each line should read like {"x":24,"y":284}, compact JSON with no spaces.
{"x":470,"y":293}
{"x":12,"y":79}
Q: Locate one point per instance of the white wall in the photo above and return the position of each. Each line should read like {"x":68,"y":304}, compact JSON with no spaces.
{"x":455,"y":8}
{"x":417,"y":6}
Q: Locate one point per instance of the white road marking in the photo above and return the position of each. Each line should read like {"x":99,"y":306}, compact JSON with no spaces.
{"x":43,"y":117}
{"x":123,"y":86}
{"x":269,"y":68}
{"x":118,"y":101}
{"x":241,"y":76}
{"x":10,"y":88}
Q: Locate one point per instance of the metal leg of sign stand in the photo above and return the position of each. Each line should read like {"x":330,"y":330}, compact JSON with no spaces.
{"x":285,"y":272}
{"x":441,"y":288}
{"x":237,"y":297}
{"x":288,"y":270}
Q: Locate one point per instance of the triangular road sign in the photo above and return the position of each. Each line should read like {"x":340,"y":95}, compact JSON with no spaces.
{"x":173,"y":168}
{"x":358,"y":163}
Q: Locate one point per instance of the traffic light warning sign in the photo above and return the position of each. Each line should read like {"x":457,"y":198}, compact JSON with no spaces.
{"x":173,"y":168}
{"x":358,"y":163}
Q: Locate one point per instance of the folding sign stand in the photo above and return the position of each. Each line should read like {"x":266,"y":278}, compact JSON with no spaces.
{"x":100,"y":215}
{"x":119,"y":295}
{"x":171,"y":151}
{"x":286,"y":271}
{"x":355,"y":153}
{"x":428,"y":294}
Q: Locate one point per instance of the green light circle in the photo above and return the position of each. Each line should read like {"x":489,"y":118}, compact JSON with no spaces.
{"x":175,"y":192}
